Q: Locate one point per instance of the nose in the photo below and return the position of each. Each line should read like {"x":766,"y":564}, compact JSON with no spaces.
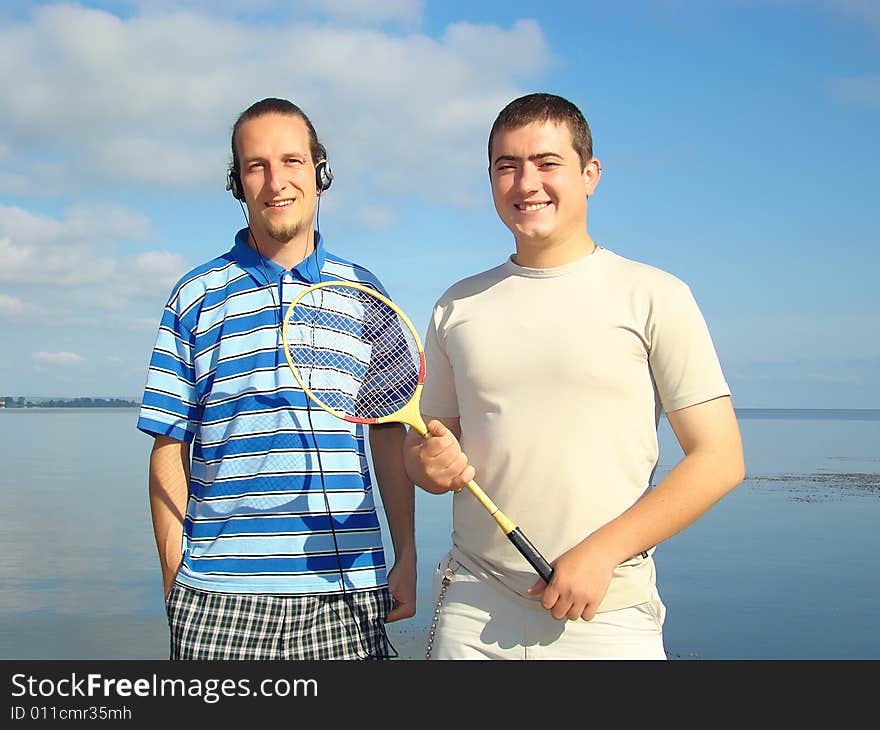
{"x":275,"y":180}
{"x":528,"y":180}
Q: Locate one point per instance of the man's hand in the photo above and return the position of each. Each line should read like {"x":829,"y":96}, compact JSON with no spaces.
{"x":580,"y":581}
{"x":402,"y":584}
{"x":441,"y":464}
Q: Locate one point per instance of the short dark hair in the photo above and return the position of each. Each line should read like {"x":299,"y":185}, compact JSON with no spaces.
{"x":277,"y":106}
{"x":546,"y":108}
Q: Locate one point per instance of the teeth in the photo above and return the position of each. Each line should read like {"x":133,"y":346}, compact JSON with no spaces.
{"x":281,"y":204}
{"x":532,"y":206}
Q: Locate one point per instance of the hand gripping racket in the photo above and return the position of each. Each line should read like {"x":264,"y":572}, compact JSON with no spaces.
{"x":357,"y":355}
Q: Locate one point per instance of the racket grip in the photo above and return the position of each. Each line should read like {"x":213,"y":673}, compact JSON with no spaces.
{"x":530,"y":553}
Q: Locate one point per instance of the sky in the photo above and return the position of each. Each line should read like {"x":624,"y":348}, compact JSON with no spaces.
{"x":738,"y":140}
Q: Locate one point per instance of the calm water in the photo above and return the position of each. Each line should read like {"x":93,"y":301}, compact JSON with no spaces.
{"x":782,"y":568}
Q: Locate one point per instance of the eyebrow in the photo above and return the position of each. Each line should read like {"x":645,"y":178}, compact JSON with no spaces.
{"x":532,"y":158}
{"x":284,"y":156}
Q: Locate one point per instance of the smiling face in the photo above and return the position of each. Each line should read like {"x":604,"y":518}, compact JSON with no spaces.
{"x":540,"y":191}
{"x":278,"y":177}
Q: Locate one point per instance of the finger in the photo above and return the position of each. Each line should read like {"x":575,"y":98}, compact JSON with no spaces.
{"x":399,"y":611}
{"x":436,"y":428}
{"x":467,"y":474}
{"x":443,"y":450}
{"x":395,"y":614}
{"x":560,"y":610}
{"x":536,"y":589}
{"x":549,"y":597}
{"x":443,"y":471}
{"x":460,"y":472}
{"x":434,"y":447}
{"x":588,"y":613}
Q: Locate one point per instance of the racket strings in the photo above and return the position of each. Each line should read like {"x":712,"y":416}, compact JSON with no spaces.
{"x":353,"y":352}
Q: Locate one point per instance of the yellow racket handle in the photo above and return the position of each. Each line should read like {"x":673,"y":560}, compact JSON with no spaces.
{"x":508,"y":526}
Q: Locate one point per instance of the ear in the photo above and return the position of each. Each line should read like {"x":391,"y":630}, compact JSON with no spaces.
{"x":592,"y":173}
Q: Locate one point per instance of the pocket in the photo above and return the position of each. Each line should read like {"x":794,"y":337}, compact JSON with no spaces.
{"x":170,"y":596}
{"x":173,"y":583}
{"x":656,"y":609}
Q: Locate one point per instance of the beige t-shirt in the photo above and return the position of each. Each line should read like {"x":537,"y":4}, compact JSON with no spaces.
{"x":558,"y":377}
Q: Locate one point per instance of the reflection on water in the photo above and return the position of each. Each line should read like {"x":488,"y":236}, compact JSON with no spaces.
{"x":788,"y":551}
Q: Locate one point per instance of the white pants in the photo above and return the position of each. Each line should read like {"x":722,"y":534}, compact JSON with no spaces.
{"x":475,"y":620}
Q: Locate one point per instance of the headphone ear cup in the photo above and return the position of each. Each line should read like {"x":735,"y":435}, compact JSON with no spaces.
{"x":233,"y":184}
{"x":323,"y":176}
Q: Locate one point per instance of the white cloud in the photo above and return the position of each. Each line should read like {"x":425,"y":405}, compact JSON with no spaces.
{"x":12,"y":183}
{"x":148,"y":276}
{"x":107,"y":221}
{"x":375,"y":217}
{"x":89,"y":271}
{"x":38,"y":249}
{"x":351,"y":11}
{"x":61,"y":359}
{"x":370,"y":11}
{"x":151,"y":99}
{"x":10,"y":307}
{"x":138,"y":105}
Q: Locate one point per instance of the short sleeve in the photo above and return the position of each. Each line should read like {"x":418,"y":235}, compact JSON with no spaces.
{"x":169,"y":404}
{"x":439,"y":398}
{"x":683,"y":360}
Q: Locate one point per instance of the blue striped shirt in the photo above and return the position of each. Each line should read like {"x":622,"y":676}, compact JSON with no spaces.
{"x":280,"y":496}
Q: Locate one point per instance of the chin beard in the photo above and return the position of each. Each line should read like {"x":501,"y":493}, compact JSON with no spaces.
{"x":286,"y":233}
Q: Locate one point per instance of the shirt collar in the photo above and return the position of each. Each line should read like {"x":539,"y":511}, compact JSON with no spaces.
{"x":261,"y":268}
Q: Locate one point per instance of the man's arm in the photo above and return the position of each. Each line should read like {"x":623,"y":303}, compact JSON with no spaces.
{"x":711,"y":467}
{"x":437,"y":464}
{"x":398,"y":499}
{"x":169,"y":490}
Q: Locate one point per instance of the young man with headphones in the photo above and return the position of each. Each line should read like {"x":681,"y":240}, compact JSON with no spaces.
{"x":262,"y":504}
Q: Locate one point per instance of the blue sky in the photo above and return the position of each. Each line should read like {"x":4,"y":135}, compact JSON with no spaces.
{"x":738,"y":141}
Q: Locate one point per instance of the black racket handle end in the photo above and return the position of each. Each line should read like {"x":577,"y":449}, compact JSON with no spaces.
{"x":530,"y":553}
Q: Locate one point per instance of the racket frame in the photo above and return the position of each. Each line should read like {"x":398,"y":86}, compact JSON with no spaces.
{"x":410,"y":415}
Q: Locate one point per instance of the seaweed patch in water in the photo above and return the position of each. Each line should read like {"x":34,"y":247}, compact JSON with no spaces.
{"x":820,"y":486}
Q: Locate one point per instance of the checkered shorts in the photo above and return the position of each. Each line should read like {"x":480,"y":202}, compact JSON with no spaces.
{"x":209,"y":625}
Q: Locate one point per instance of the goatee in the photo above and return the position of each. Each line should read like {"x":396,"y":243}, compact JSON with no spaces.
{"x":283,"y":233}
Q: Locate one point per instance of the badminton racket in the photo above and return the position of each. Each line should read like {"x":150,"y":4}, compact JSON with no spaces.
{"x":357,"y":356}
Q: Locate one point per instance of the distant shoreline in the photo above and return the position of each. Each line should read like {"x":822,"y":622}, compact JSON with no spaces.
{"x":20,"y":403}
{"x":869,"y":414}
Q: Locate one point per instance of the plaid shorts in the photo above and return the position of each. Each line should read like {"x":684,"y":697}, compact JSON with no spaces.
{"x":209,"y":625}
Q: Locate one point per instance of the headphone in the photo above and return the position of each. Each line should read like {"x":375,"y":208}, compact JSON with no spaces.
{"x":323,"y":176}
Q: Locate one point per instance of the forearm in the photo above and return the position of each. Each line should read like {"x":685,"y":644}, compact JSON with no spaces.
{"x":169,"y":490}
{"x":687,"y":492}
{"x":395,"y":487}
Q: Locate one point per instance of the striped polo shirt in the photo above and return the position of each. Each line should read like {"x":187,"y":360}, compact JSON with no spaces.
{"x":280,"y":496}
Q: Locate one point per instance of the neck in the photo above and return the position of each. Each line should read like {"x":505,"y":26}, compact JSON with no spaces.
{"x":550,"y":255}
{"x":286,"y":254}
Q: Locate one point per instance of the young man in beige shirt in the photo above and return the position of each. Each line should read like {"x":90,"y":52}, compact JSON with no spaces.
{"x":550,"y":372}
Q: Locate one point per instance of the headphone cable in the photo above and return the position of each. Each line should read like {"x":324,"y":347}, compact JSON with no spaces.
{"x":346,"y":597}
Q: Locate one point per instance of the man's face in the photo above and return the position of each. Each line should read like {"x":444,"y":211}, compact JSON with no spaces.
{"x":538,"y":185}
{"x":277,"y":175}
